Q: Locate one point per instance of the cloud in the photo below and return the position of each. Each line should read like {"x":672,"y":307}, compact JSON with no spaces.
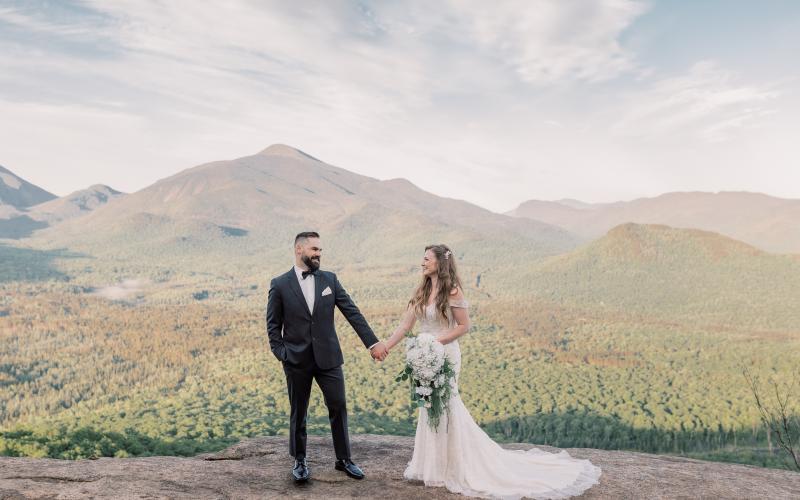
{"x":549,"y":42}
{"x":26,"y":20}
{"x":527,"y":97}
{"x":707,"y":102}
{"x":346,"y":56}
{"x":351,"y":80}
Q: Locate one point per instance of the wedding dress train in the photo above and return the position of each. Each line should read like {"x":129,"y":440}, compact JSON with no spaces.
{"x":460,"y":456}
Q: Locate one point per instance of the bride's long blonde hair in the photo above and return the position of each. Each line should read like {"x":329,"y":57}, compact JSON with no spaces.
{"x":447,"y":275}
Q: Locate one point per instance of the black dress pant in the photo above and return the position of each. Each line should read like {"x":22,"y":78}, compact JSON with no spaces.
{"x":331,"y":383}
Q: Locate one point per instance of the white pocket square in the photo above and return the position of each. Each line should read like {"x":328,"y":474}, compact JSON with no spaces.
{"x":327,"y":291}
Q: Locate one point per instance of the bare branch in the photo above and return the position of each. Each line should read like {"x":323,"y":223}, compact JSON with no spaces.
{"x":779,"y":420}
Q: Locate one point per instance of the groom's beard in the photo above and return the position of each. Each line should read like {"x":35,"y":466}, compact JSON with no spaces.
{"x":313,"y":265}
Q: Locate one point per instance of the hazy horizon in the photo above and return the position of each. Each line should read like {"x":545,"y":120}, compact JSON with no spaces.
{"x":112,"y":186}
{"x":612,"y":102}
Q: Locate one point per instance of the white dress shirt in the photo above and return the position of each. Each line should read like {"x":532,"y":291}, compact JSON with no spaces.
{"x":307,"y":287}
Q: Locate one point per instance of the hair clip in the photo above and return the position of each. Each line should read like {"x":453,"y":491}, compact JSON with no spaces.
{"x":447,"y":254}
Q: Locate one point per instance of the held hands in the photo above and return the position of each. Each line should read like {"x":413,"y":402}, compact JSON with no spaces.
{"x":379,"y":351}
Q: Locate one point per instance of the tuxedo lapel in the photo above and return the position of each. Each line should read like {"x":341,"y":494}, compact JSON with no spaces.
{"x":295,"y":286}
{"x":319,"y":286}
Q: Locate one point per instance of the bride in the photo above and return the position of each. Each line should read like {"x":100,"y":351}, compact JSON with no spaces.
{"x":459,"y":455}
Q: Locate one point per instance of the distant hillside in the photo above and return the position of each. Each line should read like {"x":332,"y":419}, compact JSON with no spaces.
{"x":283,"y":184}
{"x":764,"y":221}
{"x":656,"y":269}
{"x":75,"y":204}
{"x":18,"y":192}
{"x":16,"y":195}
{"x":248,"y":209}
{"x":17,"y":223}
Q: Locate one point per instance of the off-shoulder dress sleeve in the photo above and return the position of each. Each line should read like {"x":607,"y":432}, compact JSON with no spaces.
{"x":459,"y":303}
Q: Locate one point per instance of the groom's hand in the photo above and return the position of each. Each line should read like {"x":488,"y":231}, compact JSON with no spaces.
{"x":379,"y":351}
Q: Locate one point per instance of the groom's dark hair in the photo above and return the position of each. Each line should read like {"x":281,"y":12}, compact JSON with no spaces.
{"x":305,"y":235}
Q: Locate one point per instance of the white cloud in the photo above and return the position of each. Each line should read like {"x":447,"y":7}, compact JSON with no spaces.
{"x":347,"y":80}
{"x":20,"y":19}
{"x":453,"y":95}
{"x":548,"y":42}
{"x":346,"y":55}
{"x":708,"y":102}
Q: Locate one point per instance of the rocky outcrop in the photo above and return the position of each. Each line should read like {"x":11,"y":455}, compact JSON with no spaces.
{"x":259,"y":468}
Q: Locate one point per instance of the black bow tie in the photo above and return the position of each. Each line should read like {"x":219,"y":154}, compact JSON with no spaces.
{"x":306,"y":273}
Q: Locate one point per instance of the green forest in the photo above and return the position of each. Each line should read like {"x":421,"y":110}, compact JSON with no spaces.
{"x":180,"y":372}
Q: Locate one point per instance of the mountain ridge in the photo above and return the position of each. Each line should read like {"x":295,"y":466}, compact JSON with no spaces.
{"x":75,"y":204}
{"x":714,"y":245}
{"x":280,"y":191}
{"x":662,"y":270}
{"x":764,"y":221}
{"x":19,"y":193}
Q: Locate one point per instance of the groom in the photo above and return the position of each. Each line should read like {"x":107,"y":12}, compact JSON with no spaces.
{"x":302,"y":336}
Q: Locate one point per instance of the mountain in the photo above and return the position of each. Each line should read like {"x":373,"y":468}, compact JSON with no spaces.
{"x":18,"y":192}
{"x":767,"y":222}
{"x":573,"y":203}
{"x":37,"y":209}
{"x":75,"y":204}
{"x":284,"y":183}
{"x":16,"y":195}
{"x":247,"y":211}
{"x":664,"y":271}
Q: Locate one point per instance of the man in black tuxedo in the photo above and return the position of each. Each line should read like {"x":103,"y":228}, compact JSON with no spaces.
{"x":302,"y":336}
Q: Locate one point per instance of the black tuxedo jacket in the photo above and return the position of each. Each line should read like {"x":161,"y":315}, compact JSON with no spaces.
{"x":296,"y":334}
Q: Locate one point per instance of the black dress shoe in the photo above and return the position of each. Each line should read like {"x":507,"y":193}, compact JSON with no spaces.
{"x":301,"y":472}
{"x":350,"y":468}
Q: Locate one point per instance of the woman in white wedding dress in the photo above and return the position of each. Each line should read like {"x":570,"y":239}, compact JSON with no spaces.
{"x":459,"y":455}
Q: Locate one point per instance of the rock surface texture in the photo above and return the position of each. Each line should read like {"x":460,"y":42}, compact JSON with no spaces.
{"x":260,"y":468}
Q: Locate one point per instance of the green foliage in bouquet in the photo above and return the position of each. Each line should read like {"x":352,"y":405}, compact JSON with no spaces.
{"x":436,"y":402}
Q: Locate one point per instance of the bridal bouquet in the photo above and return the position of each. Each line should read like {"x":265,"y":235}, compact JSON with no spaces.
{"x":430,"y":374}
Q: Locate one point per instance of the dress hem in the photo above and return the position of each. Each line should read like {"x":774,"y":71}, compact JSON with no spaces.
{"x":587,"y":477}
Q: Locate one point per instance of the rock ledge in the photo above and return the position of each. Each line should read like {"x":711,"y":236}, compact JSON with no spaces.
{"x":259,"y":468}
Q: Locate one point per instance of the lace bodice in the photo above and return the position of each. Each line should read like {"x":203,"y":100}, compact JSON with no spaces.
{"x":433,"y":322}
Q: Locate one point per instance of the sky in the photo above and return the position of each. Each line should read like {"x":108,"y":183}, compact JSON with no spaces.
{"x":491,"y":102}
